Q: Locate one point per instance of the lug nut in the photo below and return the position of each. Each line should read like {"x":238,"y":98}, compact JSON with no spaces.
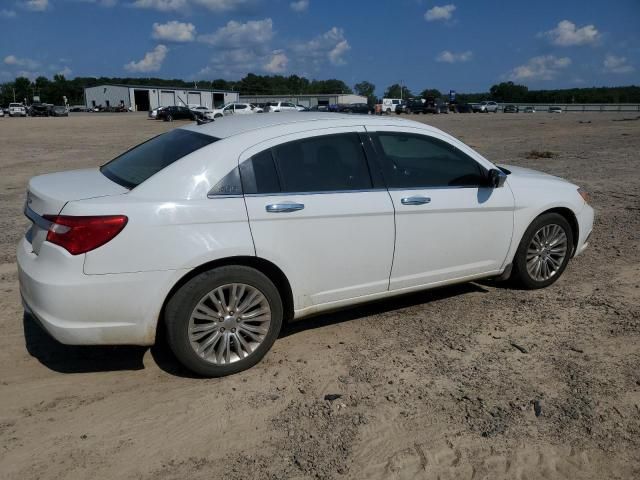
{"x":233,"y":330}
{"x":222,"y":329}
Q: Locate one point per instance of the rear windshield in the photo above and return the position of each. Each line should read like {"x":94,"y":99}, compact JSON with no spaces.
{"x":136,"y":165}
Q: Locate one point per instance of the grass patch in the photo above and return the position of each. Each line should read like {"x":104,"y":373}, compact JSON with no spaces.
{"x":540,"y":154}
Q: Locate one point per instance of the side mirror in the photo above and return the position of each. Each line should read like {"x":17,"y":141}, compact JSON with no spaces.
{"x":496,"y":178}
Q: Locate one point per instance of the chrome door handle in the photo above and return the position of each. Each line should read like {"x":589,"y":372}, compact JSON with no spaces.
{"x":284,"y":207}
{"x":415,"y":200}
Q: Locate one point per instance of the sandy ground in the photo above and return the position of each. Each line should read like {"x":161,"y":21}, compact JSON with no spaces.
{"x":430,"y":385}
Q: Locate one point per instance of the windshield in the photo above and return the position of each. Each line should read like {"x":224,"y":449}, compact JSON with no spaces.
{"x":138,"y":164}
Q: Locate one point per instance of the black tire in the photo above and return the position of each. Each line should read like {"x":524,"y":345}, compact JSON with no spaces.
{"x":519,"y":275}
{"x":217,"y":115}
{"x":183,"y":302}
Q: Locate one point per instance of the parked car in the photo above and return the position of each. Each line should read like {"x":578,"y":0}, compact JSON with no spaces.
{"x":154,"y":113}
{"x":319,"y":108}
{"x":510,"y":109}
{"x":168,"y":114}
{"x":302,"y":108}
{"x":17,"y":110}
{"x":529,"y":110}
{"x":202,"y":112}
{"x":282,"y":107}
{"x":413,"y":105}
{"x":464,"y":108}
{"x":237,"y":109}
{"x":389,"y":105}
{"x":78,"y":108}
{"x":59,"y":111}
{"x":222,"y":232}
{"x":354,"y":108}
{"x":485,"y":107}
{"x":555,"y":109}
{"x":40,"y":110}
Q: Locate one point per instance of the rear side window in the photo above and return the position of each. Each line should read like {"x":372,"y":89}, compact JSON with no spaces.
{"x":138,"y":164}
{"x":419,"y":161}
{"x":322,"y":164}
{"x":318,"y":164}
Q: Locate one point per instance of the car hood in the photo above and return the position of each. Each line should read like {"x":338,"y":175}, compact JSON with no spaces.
{"x":530,"y":174}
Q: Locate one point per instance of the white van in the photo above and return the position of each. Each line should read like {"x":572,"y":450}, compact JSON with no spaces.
{"x":389,"y":105}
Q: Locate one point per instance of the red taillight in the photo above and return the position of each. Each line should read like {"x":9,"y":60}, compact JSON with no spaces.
{"x":82,"y":234}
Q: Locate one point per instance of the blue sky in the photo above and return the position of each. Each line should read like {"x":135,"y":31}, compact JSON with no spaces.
{"x":465,"y":45}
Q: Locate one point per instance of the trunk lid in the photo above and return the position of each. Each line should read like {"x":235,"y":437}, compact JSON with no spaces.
{"x":48,"y":194}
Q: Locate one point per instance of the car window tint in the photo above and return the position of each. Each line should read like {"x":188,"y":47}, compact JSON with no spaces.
{"x":326,"y":163}
{"x":136,"y":165}
{"x":229,"y":185}
{"x":240,"y":107}
{"x":259,"y":174}
{"x":414,"y":161}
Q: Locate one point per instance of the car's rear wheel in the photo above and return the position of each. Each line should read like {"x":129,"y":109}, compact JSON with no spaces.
{"x":544,"y":252}
{"x":224,"y":321}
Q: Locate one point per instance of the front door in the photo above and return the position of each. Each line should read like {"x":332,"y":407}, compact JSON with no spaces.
{"x":314,"y":212}
{"x":449,"y":224}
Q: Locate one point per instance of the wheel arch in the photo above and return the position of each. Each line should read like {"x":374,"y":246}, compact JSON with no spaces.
{"x":571,"y":218}
{"x":272,"y":271}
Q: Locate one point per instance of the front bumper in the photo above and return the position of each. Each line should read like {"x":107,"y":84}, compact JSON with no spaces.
{"x":585,"y":226}
{"x":80,"y":309}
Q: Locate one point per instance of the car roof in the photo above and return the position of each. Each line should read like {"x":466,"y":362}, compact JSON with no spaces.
{"x":240,"y":124}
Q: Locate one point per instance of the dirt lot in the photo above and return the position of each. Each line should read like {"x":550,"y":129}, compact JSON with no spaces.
{"x":471,"y":382}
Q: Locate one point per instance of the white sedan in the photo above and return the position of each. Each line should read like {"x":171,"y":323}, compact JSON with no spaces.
{"x":222,"y":232}
{"x":234,"y":109}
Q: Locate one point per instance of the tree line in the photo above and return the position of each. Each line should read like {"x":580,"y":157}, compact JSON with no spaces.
{"x":53,"y":90}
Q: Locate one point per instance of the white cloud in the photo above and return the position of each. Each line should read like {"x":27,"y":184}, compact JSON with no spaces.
{"x":7,"y":13}
{"x":444,"y":12}
{"x":181,"y":5}
{"x":545,"y":67}
{"x":102,"y":3}
{"x":277,"y":63}
{"x":66,"y":71}
{"x":174,"y":31}
{"x":450,"y":57}
{"x":567,"y":35}
{"x":152,"y":61}
{"x":300,"y":6}
{"x":25,"y":63}
{"x":236,"y":34}
{"x":331,"y":45}
{"x":615,"y":64}
{"x":35,"y":5}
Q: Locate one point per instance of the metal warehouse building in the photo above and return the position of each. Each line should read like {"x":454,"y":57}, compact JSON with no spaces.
{"x":307,"y":100}
{"x":143,"y":98}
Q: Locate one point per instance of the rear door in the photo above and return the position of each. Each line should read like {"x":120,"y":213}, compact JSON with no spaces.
{"x":317,"y":213}
{"x":449,"y":224}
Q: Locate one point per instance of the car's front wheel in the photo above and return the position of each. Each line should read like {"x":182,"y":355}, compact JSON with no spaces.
{"x":544,"y":252}
{"x":224,"y":321}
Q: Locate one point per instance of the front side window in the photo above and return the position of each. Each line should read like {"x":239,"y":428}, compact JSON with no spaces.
{"x":240,"y":106}
{"x":420,"y":161}
{"x":318,"y":164}
{"x":138,"y":164}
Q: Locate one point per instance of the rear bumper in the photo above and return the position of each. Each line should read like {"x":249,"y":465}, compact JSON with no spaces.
{"x":79,"y":309}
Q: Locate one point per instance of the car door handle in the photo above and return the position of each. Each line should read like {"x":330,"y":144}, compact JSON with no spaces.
{"x":415,"y":200}
{"x":284,"y":207}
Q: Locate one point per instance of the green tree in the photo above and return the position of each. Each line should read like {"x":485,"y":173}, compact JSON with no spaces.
{"x":366,"y":89}
{"x":509,"y":92}
{"x":397,"y":91}
{"x":431,"y":92}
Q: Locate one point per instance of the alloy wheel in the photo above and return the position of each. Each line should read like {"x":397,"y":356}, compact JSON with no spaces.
{"x":546,"y":252}
{"x":229,"y":323}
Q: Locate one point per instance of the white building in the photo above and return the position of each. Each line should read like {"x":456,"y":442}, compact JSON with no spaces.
{"x":144,"y":98}
{"x":307,"y":100}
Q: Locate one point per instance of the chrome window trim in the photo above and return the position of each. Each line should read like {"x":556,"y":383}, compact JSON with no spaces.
{"x":222,"y":195}
{"x":441,"y":187}
{"x":324,"y":192}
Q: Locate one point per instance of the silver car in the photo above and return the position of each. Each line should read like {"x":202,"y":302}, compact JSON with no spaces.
{"x":486,"y":107}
